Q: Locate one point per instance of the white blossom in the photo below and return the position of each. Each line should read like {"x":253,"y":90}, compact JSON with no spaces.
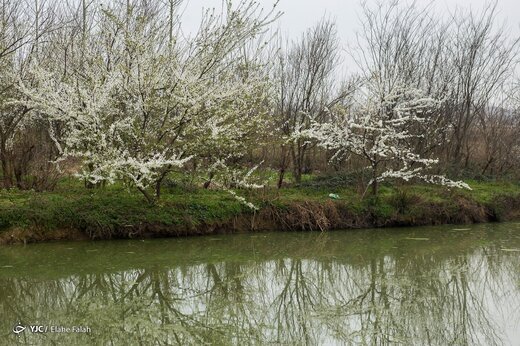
{"x":134,"y":108}
{"x":381,"y":127}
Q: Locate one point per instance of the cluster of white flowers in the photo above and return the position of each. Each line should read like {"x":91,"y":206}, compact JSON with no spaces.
{"x":135,"y":109}
{"x":381,"y":127}
{"x":238,"y":180}
{"x":243,"y":200}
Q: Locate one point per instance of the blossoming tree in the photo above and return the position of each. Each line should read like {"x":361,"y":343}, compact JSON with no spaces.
{"x":380,"y":126}
{"x":141,"y":101}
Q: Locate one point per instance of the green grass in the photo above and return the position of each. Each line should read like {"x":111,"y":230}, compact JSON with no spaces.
{"x":111,"y":207}
{"x":71,"y":206}
{"x":486,"y":191}
{"x":391,"y":198}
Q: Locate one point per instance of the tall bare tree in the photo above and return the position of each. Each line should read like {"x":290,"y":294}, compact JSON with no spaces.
{"x":307,"y":86}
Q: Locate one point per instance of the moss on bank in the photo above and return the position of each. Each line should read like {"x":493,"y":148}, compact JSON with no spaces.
{"x":72,"y":212}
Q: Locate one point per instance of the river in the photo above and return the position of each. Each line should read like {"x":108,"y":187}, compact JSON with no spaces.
{"x":447,"y":285}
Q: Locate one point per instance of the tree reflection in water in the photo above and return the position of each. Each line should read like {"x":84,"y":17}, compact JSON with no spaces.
{"x":373,"y":288}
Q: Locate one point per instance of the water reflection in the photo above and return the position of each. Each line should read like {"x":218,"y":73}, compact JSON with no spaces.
{"x":416,"y":286}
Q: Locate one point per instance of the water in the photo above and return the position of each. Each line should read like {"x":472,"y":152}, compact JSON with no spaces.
{"x":418,"y":286}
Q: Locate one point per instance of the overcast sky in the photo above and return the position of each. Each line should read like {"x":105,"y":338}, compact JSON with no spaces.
{"x":298,"y":15}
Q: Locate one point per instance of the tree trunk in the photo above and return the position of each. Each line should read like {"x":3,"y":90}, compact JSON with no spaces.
{"x":158,"y":189}
{"x":281,"y":175}
{"x":488,"y":163}
{"x":297,"y":154}
{"x":374,"y":187}
{"x":6,"y":168}
{"x":207,"y":183}
{"x":149,"y":198}
{"x":375,"y":183}
{"x":283,"y":166}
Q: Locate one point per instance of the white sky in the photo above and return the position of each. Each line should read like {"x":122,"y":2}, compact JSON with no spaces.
{"x":298,"y":15}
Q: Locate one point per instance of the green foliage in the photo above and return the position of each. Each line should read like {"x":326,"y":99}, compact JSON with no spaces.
{"x":332,"y":180}
{"x":109,"y":210}
{"x":402,"y":200}
{"x":486,"y":191}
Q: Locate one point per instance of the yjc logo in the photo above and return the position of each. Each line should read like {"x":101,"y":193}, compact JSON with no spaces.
{"x":38,"y":329}
{"x":19,"y":328}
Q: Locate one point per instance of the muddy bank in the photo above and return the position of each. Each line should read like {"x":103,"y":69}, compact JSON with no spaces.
{"x":296,"y":216}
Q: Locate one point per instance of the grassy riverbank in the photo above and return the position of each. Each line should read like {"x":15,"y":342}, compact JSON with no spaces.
{"x":73,"y":212}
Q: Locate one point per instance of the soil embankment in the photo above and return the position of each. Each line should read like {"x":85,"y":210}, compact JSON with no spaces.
{"x":74,"y":222}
